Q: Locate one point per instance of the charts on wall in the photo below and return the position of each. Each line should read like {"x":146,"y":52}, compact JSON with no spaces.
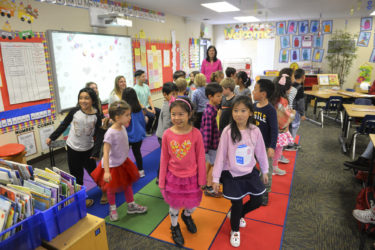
{"x":83,"y":57}
{"x":155,"y":68}
{"x":25,"y":72}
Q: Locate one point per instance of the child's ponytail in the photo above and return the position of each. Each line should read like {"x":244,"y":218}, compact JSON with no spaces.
{"x":106,"y":123}
{"x":245,"y":78}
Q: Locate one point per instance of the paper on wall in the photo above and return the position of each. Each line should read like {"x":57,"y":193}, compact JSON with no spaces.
{"x":44,"y":133}
{"x":167,"y":58}
{"x":28,"y":140}
{"x":25,"y":72}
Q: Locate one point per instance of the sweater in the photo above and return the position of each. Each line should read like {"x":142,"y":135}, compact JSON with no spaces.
{"x":210,"y":67}
{"x":164,"y":120}
{"x":182,"y":155}
{"x":266,"y":120}
{"x":239,"y":158}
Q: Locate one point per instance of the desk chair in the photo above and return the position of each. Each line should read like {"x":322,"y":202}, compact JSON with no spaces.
{"x":367,"y":127}
{"x":52,"y":146}
{"x":334,"y":105}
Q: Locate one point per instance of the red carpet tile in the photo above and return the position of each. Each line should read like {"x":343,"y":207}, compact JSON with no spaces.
{"x":256,"y":235}
{"x":281,"y":184}
{"x":274,"y":212}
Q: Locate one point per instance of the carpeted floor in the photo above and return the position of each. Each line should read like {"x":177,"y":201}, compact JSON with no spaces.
{"x":321,"y":202}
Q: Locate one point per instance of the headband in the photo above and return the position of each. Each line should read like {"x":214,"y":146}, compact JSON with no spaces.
{"x":282,"y":80}
{"x":179,"y":99}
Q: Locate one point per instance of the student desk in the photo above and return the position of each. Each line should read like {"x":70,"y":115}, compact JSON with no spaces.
{"x":88,"y":233}
{"x":319,"y":96}
{"x":353,"y":111}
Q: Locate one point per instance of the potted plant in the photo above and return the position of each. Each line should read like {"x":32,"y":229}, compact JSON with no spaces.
{"x":341,"y":53}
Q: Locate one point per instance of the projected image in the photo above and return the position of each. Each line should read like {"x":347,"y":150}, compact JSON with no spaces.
{"x":80,"y":58}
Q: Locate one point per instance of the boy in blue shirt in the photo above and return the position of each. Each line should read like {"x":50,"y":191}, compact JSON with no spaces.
{"x":266,"y":119}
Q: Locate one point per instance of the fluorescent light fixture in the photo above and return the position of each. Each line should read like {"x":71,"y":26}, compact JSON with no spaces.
{"x":372,"y":13}
{"x":123,"y":22}
{"x":221,"y":7}
{"x":247,"y":19}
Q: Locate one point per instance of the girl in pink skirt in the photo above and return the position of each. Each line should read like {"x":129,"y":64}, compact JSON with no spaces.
{"x":285,"y":116}
{"x":182,"y":167}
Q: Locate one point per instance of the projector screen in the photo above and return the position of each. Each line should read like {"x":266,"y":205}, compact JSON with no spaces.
{"x":78,"y":58}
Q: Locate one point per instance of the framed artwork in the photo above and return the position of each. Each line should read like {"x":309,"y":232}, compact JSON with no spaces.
{"x":284,"y":42}
{"x":294,"y":55}
{"x":318,"y":41}
{"x":306,"y":54}
{"x":363,"y":39}
{"x":284,"y":56}
{"x":327,"y":27}
{"x":314,"y":26}
{"x":303,"y":27}
{"x":296,"y":41}
{"x":292,"y":27}
{"x":366,"y":23}
{"x":281,"y":28}
{"x":307,"y":41}
{"x":318,"y":55}
{"x":28,"y":140}
{"x":372,"y":57}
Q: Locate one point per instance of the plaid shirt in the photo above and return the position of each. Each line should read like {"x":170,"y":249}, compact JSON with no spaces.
{"x":209,"y":129}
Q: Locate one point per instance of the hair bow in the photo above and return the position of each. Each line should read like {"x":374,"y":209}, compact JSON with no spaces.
{"x":172,"y":100}
{"x":282,"y":80}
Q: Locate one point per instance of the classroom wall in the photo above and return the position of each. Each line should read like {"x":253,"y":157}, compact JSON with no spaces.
{"x":241,"y":48}
{"x":261,"y":52}
{"x":59,"y":17}
{"x":351,"y":25}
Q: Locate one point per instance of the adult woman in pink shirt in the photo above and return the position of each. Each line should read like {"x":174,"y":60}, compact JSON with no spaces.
{"x":210,"y":64}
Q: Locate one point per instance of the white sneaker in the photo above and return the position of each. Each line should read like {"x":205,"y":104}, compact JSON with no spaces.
{"x":278,"y":171}
{"x":141,"y":173}
{"x":235,"y":239}
{"x":284,"y":160}
{"x":242,"y":220}
{"x":364,"y":216}
{"x":113,"y":215}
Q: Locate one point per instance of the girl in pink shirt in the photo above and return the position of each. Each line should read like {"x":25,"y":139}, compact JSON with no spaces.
{"x":182,"y":167}
{"x":116,"y":172}
{"x":211,"y":64}
{"x":234,"y":166}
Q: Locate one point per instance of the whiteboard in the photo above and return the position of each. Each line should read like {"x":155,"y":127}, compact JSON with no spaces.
{"x":78,"y":58}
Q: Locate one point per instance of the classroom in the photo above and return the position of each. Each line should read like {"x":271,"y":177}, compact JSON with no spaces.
{"x":199,"y":124}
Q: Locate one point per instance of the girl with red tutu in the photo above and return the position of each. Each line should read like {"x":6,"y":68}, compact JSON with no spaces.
{"x":116,"y":172}
{"x":182,"y":167}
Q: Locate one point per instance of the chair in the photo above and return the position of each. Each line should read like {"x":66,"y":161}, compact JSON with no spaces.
{"x":52,"y":146}
{"x":334,"y":105}
{"x":367,"y":127}
{"x":362,"y":101}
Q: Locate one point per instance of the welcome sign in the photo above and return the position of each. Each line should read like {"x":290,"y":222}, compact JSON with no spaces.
{"x":250,"y":31}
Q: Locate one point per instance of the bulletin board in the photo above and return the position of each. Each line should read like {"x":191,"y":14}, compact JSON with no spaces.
{"x":23,"y":115}
{"x":145,"y":50}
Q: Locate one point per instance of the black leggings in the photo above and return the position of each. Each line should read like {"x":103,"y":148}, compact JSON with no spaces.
{"x":77,"y":161}
{"x":239,"y":210}
{"x":136,"y":147}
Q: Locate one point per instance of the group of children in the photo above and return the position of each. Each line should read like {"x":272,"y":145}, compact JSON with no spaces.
{"x":196,"y":153}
